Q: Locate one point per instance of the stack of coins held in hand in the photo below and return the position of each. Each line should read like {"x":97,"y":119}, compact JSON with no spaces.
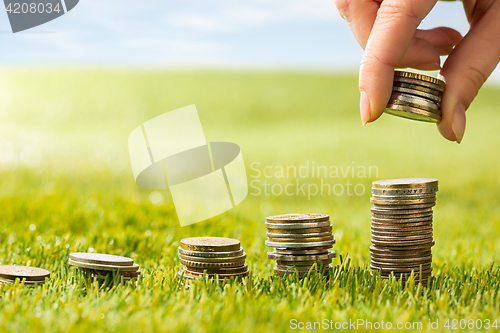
{"x":30,"y":276}
{"x":218,"y":257}
{"x":301,"y":243}
{"x":101,"y":265}
{"x":402,"y":227}
{"x":416,"y":96}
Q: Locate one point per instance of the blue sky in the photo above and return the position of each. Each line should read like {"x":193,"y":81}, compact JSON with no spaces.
{"x":246,"y":34}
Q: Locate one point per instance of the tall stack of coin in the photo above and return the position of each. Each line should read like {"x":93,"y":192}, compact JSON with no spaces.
{"x":30,"y":276}
{"x":301,"y":243}
{"x":416,"y":96}
{"x":218,"y":257}
{"x":402,"y":227}
{"x":101,"y":265}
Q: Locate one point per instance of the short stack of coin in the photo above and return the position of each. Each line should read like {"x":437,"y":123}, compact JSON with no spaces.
{"x":301,"y":243}
{"x":101,"y":265}
{"x":402,"y":227}
{"x":30,"y":276}
{"x":416,"y":96}
{"x":217,"y":257}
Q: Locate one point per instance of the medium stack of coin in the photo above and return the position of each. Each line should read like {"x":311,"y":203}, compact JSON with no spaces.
{"x":416,"y":96}
{"x":217,"y":257}
{"x":30,"y":276}
{"x":101,"y":265}
{"x":402,"y":227}
{"x":301,"y":243}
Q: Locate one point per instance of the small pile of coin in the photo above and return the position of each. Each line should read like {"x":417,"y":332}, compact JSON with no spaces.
{"x":301,"y":243}
{"x":30,"y":276}
{"x":416,"y":96}
{"x":402,"y":227}
{"x":217,"y":257}
{"x":101,"y":266}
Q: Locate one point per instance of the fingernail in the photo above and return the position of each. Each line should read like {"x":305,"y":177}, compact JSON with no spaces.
{"x":364,"y":108}
{"x":458,"y":122}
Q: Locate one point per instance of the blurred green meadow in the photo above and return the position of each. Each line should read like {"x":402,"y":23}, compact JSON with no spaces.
{"x":66,"y":185}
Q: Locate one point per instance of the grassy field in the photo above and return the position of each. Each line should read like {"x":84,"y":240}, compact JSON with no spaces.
{"x":66,"y":185}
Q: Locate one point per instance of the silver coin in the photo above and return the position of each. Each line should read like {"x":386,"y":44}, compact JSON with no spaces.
{"x":181,"y":274}
{"x":290,"y":226}
{"x":298,"y":218}
{"x":409,"y":256}
{"x":401,"y":237}
{"x":397,"y":220}
{"x":413,"y":265}
{"x":299,"y":245}
{"x":426,"y":269}
{"x":300,"y":274}
{"x":432,"y":97}
{"x":395,"y":227}
{"x":408,"y":112}
{"x":404,"y":244}
{"x":401,"y":216}
{"x":404,"y":197}
{"x":400,"y":211}
{"x":401,"y":226}
{"x":404,"y":191}
{"x":318,"y":234}
{"x":401,"y":260}
{"x":415,"y":100}
{"x":405,"y":207}
{"x":304,"y":263}
{"x":211,"y":254}
{"x":402,"y":249}
{"x":386,"y":251}
{"x":397,"y":232}
{"x":322,"y":251}
{"x":282,"y":257}
{"x":401,"y":254}
{"x":405,"y":183}
{"x":285,"y":268}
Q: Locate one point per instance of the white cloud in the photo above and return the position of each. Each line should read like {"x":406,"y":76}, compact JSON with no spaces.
{"x":197,"y":22}
{"x":235,"y":17}
{"x":173,"y":45}
{"x":64,"y":41}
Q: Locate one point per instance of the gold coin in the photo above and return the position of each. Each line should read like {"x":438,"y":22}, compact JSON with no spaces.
{"x":299,"y":231}
{"x":301,"y":240}
{"x":220,"y":275}
{"x":402,"y":202}
{"x":304,"y":263}
{"x":210,"y":265}
{"x":210,"y":244}
{"x":420,"y":77}
{"x":213,"y":260}
{"x":219,"y":270}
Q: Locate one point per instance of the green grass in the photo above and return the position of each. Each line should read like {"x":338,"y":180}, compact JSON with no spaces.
{"x":69,"y":187}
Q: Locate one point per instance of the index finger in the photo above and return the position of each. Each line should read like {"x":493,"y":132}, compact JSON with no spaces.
{"x":391,"y":35}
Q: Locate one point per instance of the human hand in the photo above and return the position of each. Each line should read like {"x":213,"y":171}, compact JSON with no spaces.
{"x":387,"y":30}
